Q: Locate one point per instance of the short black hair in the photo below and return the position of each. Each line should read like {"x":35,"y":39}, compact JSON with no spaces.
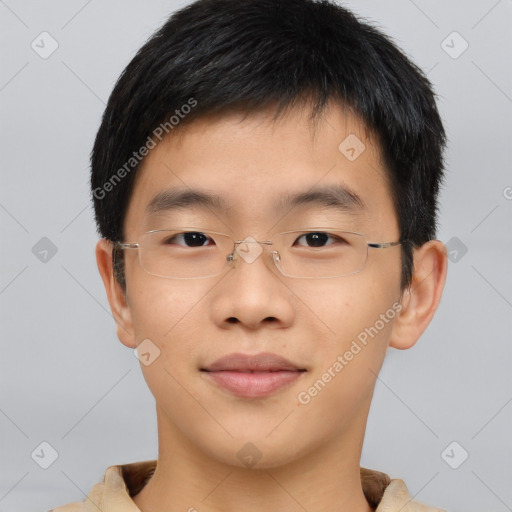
{"x":216,"y":56}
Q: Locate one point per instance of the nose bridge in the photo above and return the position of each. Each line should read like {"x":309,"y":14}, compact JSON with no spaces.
{"x":249,"y":249}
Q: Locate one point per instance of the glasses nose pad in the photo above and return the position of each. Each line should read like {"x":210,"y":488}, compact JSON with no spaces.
{"x":231,"y":259}
{"x":251,"y":255}
{"x":276,"y":257}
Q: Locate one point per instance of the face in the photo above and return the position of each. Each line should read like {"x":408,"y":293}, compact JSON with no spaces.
{"x":336,"y":330}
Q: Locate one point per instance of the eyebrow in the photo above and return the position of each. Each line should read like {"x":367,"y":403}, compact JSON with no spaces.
{"x":338,"y":197}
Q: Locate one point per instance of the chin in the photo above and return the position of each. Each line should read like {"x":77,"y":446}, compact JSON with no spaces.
{"x":256,"y":452}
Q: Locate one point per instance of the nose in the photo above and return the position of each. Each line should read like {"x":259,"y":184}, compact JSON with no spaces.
{"x":253,"y":294}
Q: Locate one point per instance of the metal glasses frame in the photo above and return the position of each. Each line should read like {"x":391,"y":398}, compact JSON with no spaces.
{"x":276,"y":256}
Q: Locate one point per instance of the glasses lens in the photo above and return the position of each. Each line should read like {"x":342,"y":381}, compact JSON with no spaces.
{"x":320,"y":254}
{"x":184,"y":253}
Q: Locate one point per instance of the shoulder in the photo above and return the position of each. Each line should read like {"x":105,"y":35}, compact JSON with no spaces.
{"x":76,"y":506}
{"x":90,"y":503}
{"x":95,"y":496}
{"x":389,"y":495}
{"x":397,"y":497}
{"x":120,"y":482}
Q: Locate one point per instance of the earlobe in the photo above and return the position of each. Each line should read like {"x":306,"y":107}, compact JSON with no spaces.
{"x":115,"y":294}
{"x":420,"y":301}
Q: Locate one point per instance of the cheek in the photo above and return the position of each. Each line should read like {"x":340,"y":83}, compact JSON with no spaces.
{"x":159,"y":306}
{"x":170,"y":313}
{"x":167,"y":313}
{"x":347,"y":361}
{"x":339,"y":310}
{"x":352,"y":318}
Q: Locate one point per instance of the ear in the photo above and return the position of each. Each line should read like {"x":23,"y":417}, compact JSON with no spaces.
{"x":116,"y":295}
{"x":420,"y":301}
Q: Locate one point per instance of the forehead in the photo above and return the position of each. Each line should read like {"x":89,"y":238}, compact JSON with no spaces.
{"x":251,"y":168}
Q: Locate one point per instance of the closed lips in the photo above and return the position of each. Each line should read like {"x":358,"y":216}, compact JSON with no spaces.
{"x":259,"y":363}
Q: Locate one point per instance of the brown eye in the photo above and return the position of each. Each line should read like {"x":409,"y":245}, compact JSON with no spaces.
{"x":319,"y":239}
{"x":189,"y":239}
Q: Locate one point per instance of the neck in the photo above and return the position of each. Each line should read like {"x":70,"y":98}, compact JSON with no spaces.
{"x":327,"y":479}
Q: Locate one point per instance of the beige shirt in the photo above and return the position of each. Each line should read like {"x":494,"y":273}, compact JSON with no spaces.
{"x":124,"y":481}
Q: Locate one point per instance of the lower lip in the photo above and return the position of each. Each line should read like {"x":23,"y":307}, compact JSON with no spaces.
{"x":253,"y":385}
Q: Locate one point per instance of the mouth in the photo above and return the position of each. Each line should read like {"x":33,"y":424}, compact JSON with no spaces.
{"x":252,"y":376}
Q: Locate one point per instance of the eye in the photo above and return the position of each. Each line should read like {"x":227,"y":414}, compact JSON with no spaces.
{"x":320,"y":239}
{"x":188,"y":239}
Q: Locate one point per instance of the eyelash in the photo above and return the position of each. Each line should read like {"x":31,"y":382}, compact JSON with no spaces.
{"x":169,"y":240}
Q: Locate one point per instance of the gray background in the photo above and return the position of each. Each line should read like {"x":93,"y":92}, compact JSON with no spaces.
{"x":67,"y":380}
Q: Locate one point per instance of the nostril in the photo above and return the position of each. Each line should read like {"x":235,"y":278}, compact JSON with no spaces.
{"x":232,"y":320}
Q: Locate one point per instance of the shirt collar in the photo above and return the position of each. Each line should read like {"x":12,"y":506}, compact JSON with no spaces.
{"x":122,"y":482}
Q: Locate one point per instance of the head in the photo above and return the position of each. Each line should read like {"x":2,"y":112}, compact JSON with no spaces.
{"x":252,"y":101}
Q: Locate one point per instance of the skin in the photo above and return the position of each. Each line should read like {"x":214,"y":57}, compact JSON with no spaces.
{"x":310,"y":453}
